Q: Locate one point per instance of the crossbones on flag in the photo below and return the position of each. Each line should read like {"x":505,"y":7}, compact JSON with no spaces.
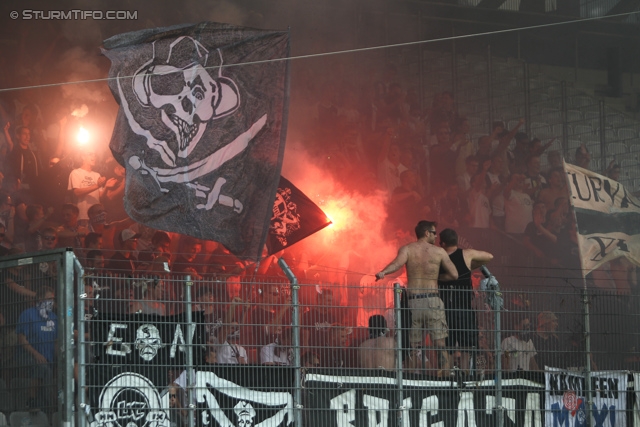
{"x":607,"y":218}
{"x":295,"y":217}
{"x":201,"y":128}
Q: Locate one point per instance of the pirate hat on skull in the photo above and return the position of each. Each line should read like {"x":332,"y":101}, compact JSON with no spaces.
{"x":184,"y":81}
{"x":183,"y":54}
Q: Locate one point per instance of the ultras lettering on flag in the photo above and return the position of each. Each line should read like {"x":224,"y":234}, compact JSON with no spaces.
{"x":201,"y":128}
{"x":607,"y":217}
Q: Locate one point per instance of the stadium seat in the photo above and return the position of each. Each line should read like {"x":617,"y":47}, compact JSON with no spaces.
{"x":614,"y":148}
{"x":574,"y":116}
{"x":6,"y":402}
{"x":626,"y":133}
{"x":581,"y":101}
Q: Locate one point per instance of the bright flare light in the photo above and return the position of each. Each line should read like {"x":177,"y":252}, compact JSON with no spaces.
{"x":83,"y":136}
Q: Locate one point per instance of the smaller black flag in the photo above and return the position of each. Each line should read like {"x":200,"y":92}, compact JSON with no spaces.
{"x":294,"y":217}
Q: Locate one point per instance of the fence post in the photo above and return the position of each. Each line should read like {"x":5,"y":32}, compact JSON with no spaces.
{"x":565,"y":124}
{"x":83,"y":410}
{"x":490,"y":86}
{"x":498,"y":377}
{"x":397,"y":298}
{"x":587,"y":349}
{"x":603,"y":139}
{"x":64,"y":297}
{"x":187,"y":297}
{"x":295,"y":340}
{"x":526,"y":80}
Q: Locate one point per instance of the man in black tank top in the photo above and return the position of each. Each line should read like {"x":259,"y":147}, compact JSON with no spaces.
{"x":457,"y":295}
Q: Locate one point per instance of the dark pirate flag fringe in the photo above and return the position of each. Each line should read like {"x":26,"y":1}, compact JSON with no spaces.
{"x":294,"y":217}
{"x":202,"y":140}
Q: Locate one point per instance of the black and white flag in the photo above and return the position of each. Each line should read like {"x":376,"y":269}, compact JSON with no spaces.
{"x":295,"y":217}
{"x":607,"y":217}
{"x":201,"y":128}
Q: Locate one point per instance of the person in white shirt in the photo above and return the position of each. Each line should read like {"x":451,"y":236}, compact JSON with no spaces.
{"x":479,"y":207}
{"x":518,"y":207}
{"x":231,"y":352}
{"x":518,"y":350}
{"x":87,"y":186}
{"x":278,"y":351}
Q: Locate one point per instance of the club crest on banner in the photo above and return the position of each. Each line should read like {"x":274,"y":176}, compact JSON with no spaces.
{"x":130,"y":400}
{"x":285,"y":218}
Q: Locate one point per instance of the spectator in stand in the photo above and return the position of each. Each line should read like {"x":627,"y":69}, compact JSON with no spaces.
{"x":215,"y":313}
{"x":537,"y":149}
{"x":518,"y":351}
{"x":37,"y":222}
{"x":278,"y":351}
{"x":613,"y":170}
{"x":583,"y":157}
{"x":317,"y":323}
{"x":189,"y":250}
{"x":71,"y":233}
{"x":22,"y":163}
{"x":494,"y":176}
{"x":152,"y":302}
{"x":4,"y":242}
{"x":160,"y":246}
{"x":92,"y":241}
{"x":231,"y":352}
{"x":554,"y":158}
{"x":479,"y":206}
{"x":37,"y":332}
{"x":462,"y":140}
{"x":556,"y":188}
{"x":389,"y":166}
{"x":518,"y":206}
{"x":534,"y":181}
{"x":443,"y":157}
{"x":123,"y":262}
{"x":407,"y":206}
{"x":453,"y":207}
{"x":471,"y":168}
{"x":338,"y":354}
{"x":272,"y":309}
{"x":520,"y":153}
{"x":378,"y":352}
{"x":87,"y":186}
{"x":486,"y":147}
{"x":537,"y":237}
{"x":443,"y":111}
{"x":546,"y":342}
{"x":7,"y":215}
{"x":98,"y":216}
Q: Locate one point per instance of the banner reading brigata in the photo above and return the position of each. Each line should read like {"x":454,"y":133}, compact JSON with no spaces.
{"x":607,"y":216}
{"x":566,"y":400}
{"x":201,"y":128}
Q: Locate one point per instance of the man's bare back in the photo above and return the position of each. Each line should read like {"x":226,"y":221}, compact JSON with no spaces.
{"x":377,"y":353}
{"x":424,"y":262}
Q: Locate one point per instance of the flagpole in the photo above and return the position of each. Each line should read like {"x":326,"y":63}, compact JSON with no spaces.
{"x":585,"y":306}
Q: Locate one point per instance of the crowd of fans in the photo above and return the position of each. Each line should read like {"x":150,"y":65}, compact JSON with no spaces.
{"x":371,"y":139}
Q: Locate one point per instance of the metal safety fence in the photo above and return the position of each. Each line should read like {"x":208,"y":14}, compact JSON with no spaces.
{"x":162,"y":349}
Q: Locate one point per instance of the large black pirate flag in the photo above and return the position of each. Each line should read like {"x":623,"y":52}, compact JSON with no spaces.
{"x":201,"y":128}
{"x":294,"y":217}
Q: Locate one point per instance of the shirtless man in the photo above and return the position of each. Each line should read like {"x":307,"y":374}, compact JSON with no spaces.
{"x":378,"y":352}
{"x":424,"y":262}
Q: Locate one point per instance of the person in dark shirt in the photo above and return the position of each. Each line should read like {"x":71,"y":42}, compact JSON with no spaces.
{"x":124,"y":261}
{"x":458,"y":294}
{"x":546,"y":342}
